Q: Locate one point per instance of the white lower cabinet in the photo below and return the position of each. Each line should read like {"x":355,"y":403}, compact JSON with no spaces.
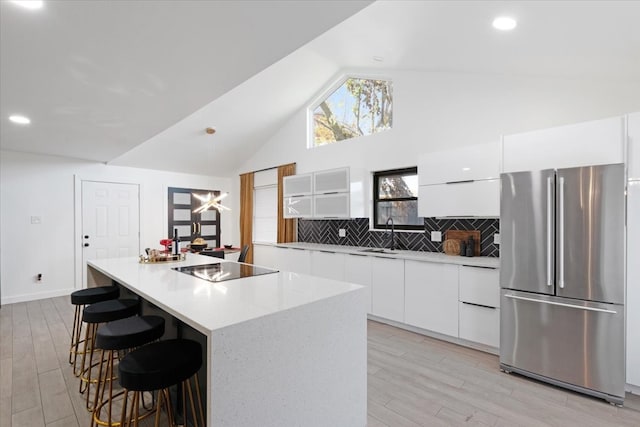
{"x":480,"y":285}
{"x":294,"y":260}
{"x":387,"y":287}
{"x":479,"y":305}
{"x":266,"y":255}
{"x":480,"y":324}
{"x":456,"y":300}
{"x":329,"y":265}
{"x":357,"y":269}
{"x":431,"y":296}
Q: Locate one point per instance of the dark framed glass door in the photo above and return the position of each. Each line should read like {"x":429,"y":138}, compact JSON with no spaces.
{"x":181,"y":203}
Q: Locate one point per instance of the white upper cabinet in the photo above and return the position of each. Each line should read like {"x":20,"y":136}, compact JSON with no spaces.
{"x":335,"y":193}
{"x":475,"y":162}
{"x":596,"y":142}
{"x":460,"y":182}
{"x":633,"y":128}
{"x":298,"y":185}
{"x":298,"y":207}
{"x":477,"y":198}
{"x":331,"y":181}
{"x":331,"y":205}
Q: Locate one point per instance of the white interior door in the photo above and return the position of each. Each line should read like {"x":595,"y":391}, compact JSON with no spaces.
{"x":110,"y":221}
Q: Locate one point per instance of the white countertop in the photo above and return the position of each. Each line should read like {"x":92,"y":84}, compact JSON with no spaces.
{"x":481,"y":261}
{"x":208,"y":306}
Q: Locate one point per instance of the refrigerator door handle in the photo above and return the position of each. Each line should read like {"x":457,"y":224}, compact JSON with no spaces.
{"x":561,"y":232}
{"x":579,"y":307}
{"x":549,"y":231}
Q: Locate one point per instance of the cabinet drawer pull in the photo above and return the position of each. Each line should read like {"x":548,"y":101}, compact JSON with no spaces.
{"x":325,"y":252}
{"x":460,"y":182}
{"x":479,"y":266}
{"x":479,"y":305}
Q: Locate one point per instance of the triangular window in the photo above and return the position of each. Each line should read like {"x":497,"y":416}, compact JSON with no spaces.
{"x":357,"y":107}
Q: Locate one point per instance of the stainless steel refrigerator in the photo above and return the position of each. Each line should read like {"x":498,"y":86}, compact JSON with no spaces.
{"x":562,"y":277}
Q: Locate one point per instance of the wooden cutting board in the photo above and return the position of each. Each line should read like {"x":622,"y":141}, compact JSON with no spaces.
{"x":463,"y":235}
{"x":451,"y":247}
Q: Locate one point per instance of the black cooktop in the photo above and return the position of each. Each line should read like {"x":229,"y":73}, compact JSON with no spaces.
{"x":221,"y":271}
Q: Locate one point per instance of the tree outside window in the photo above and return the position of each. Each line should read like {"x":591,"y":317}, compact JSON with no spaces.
{"x":358,"y":107}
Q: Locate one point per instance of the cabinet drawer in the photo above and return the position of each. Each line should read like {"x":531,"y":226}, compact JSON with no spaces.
{"x":479,"y":324}
{"x":480,"y":286}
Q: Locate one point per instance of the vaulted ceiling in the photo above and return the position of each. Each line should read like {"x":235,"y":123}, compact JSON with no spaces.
{"x":136,"y":83}
{"x":97,"y":78}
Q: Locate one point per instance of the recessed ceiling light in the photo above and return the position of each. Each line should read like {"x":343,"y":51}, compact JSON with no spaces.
{"x":504,"y":23}
{"x":21,"y":120}
{"x":29,"y":4}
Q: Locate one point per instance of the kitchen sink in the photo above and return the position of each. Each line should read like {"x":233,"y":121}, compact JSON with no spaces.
{"x":377,"y":251}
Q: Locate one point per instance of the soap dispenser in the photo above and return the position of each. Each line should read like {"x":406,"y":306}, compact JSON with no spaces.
{"x":470,"y":246}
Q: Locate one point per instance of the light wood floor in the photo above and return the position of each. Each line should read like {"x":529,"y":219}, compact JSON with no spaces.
{"x":413,"y":381}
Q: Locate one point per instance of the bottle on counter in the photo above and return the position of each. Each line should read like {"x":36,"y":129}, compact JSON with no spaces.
{"x":470,"y":247}
{"x":463,"y":248}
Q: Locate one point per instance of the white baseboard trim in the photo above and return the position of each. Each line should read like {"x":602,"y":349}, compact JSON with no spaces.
{"x":436,"y":335}
{"x":634,"y":389}
{"x":39,"y":295}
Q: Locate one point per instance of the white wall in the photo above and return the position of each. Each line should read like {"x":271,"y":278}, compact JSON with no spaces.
{"x":435,"y":110}
{"x":37,"y":185}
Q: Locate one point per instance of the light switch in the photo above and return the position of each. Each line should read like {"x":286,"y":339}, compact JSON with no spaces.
{"x":436,"y":236}
{"x":496,"y":239}
{"x":36,"y":220}
{"x":342,"y":232}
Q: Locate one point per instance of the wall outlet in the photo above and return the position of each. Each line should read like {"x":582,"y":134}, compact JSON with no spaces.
{"x":342,"y":232}
{"x":436,"y":236}
{"x":36,"y":220}
{"x":496,"y":239}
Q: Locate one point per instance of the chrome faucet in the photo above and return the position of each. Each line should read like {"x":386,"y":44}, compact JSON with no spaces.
{"x":393,"y":237}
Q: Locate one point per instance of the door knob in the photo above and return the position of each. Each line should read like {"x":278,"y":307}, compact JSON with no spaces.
{"x":86,"y":245}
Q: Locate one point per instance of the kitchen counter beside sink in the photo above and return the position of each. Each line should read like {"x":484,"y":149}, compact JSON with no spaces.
{"x":480,"y":261}
{"x":281,"y":348}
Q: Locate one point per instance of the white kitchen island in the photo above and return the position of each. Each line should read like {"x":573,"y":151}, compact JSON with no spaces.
{"x":283,"y":349}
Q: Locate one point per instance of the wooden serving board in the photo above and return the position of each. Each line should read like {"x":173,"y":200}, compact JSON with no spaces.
{"x":451,"y":247}
{"x":463,"y":235}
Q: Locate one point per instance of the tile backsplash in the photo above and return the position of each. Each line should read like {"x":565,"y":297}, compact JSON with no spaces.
{"x":358,"y":233}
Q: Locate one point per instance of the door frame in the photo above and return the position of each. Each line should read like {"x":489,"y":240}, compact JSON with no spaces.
{"x":77,"y":219}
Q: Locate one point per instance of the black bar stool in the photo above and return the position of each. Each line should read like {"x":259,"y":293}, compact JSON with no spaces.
{"x":158,"y":366}
{"x":112,"y":337}
{"x":92,"y":315}
{"x":80,"y":299}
